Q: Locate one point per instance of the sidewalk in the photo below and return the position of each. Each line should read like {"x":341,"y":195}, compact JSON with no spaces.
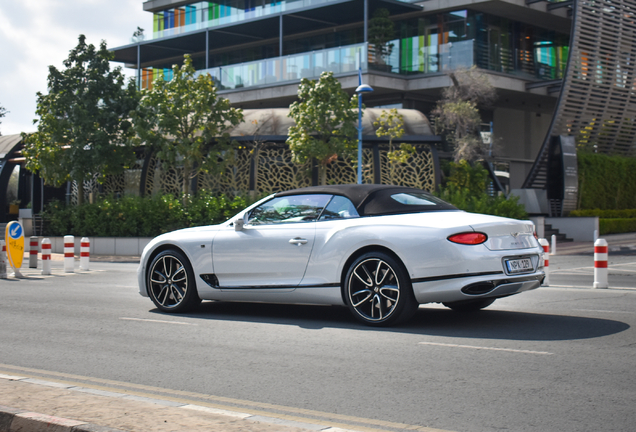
{"x":616,"y":242}
{"x":59,"y":407}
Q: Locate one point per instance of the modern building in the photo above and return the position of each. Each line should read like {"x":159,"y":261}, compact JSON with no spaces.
{"x":559,"y":67}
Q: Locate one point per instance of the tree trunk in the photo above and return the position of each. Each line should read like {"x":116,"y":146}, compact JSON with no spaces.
{"x":80,"y":192}
{"x":322,"y":174}
{"x":186,"y":183}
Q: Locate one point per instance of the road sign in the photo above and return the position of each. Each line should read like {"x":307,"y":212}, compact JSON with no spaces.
{"x":14,"y":238}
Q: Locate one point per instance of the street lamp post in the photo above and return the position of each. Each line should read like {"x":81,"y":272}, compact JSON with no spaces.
{"x":362,"y":88}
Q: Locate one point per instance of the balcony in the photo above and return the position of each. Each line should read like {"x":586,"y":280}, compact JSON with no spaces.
{"x":409,"y":60}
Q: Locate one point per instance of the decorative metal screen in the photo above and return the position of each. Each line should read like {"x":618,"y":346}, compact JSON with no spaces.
{"x":272,"y":170}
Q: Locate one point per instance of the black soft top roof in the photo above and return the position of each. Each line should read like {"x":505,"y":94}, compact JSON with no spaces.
{"x":374,"y":199}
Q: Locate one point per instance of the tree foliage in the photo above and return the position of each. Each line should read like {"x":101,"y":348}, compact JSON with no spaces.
{"x":391,"y":124}
{"x":381,"y":33}
{"x":457,"y":113}
{"x":3,"y":112}
{"x":84,"y":122}
{"x":186,"y":122}
{"x":465,"y":188}
{"x":325,"y":119}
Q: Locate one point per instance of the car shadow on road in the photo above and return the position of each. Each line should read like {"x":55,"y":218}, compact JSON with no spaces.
{"x":484,"y":324}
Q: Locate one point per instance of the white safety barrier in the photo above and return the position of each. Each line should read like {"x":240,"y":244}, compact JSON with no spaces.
{"x":69,"y":254}
{"x":85,"y":253}
{"x":3,"y":260}
{"x":33,"y":252}
{"x":546,"y":261}
{"x":600,"y":264}
{"x":46,"y":256}
{"x":553,"y":248}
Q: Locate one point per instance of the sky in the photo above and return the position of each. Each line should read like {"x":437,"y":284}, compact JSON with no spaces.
{"x":35,"y":34}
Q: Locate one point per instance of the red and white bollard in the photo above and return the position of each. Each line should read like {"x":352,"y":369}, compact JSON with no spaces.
{"x":546,"y":261}
{"x":85,"y":253}
{"x":33,"y":252}
{"x":3,"y":260}
{"x":69,"y":254}
{"x":553,"y":248}
{"x":46,"y":256}
{"x":600,"y":264}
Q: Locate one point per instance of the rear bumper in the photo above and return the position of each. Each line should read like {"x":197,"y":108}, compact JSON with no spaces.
{"x":472,"y":287}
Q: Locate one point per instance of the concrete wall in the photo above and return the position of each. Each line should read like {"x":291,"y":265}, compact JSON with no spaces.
{"x":576,"y":228}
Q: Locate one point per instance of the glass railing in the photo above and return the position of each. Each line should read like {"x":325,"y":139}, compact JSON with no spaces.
{"x":417,"y":59}
{"x":234,"y":15}
{"x":290,"y":68}
{"x":409,"y":59}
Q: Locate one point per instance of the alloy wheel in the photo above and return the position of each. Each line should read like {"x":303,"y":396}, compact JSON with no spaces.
{"x":168,"y":281}
{"x":373,"y":290}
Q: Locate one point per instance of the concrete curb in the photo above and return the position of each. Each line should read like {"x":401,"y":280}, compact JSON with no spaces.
{"x":16,"y":420}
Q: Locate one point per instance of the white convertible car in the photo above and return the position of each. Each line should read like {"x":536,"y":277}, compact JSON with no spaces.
{"x":380,"y":250}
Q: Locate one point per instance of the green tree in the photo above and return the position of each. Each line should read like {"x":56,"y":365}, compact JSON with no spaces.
{"x":186,"y":122}
{"x":3,"y":112}
{"x":381,"y":33}
{"x":457,"y":113}
{"x":325,"y":119}
{"x":84,"y":126}
{"x":391,"y":124}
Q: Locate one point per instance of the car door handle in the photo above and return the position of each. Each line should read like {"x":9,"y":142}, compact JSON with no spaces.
{"x":298,"y":241}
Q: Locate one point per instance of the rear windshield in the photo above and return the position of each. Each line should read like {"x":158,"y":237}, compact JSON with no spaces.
{"x":390,"y":201}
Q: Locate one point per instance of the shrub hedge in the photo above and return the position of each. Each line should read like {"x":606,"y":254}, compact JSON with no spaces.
{"x":606,"y":214}
{"x":132,"y":216}
{"x":617,"y":225}
{"x":606,"y":182}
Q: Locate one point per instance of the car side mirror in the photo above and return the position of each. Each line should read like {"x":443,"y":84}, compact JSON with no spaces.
{"x":239,"y":223}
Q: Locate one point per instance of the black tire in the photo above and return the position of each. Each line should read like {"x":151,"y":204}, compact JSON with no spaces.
{"x":469,"y":305}
{"x":378,"y":290}
{"x":171,"y":284}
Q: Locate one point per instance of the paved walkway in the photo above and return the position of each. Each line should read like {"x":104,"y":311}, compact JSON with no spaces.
{"x":59,"y":407}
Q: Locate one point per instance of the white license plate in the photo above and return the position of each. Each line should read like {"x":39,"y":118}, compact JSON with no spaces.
{"x":521,"y":265}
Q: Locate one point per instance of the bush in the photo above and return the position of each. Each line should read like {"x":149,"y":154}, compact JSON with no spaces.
{"x":605,"y":214}
{"x":606,"y":182}
{"x":465,"y":188}
{"x":617,"y":226}
{"x":132,"y":216}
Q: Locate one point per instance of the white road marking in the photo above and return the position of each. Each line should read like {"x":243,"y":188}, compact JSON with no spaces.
{"x":590,"y":287}
{"x":603,"y":311}
{"x":157,"y":321}
{"x":486,"y":348}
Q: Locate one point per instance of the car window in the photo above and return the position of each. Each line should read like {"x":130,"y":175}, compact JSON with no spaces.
{"x":295,"y":208}
{"x":339,"y":208}
{"x":413,"y":199}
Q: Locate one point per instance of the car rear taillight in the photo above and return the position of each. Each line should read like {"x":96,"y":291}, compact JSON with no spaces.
{"x":471,"y":238}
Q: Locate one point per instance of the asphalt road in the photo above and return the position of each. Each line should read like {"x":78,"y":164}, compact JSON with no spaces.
{"x":559,"y":358}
